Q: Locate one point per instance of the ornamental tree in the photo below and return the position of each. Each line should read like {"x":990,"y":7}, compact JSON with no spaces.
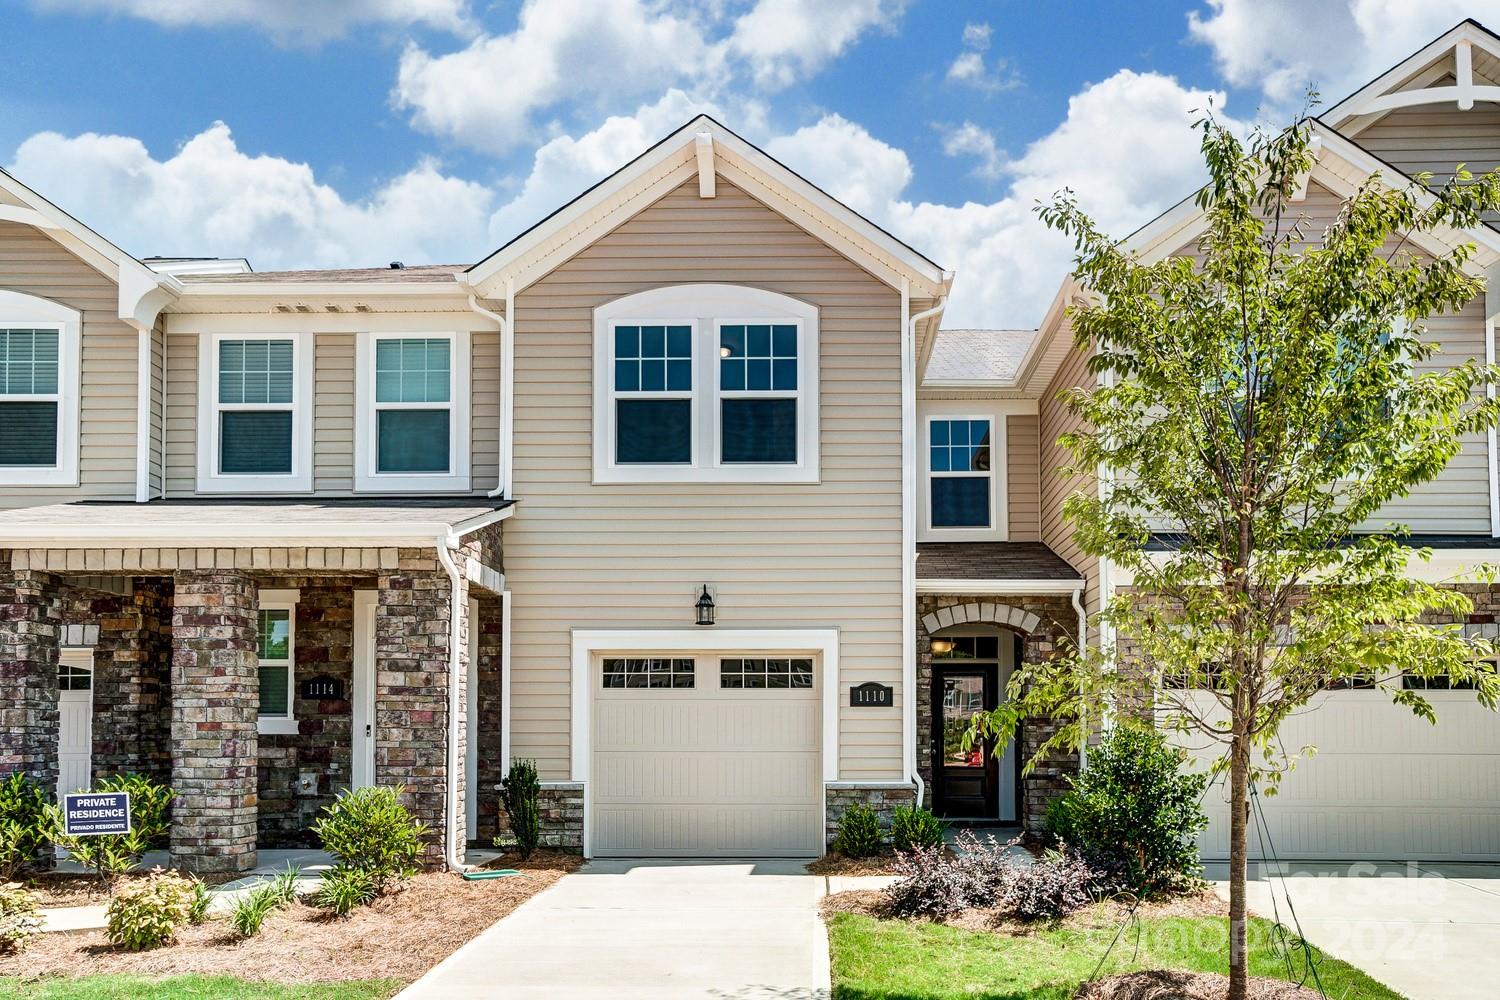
{"x":1261,"y":401}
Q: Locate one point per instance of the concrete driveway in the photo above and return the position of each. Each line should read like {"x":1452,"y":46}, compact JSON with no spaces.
{"x":651,"y":929}
{"x":1430,"y":931}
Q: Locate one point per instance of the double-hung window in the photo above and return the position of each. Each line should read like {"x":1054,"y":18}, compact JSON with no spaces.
{"x":38,"y":392}
{"x":413,"y":425}
{"x":255,"y":431}
{"x":960,"y":476}
{"x":706,"y":383}
{"x":276,"y":656}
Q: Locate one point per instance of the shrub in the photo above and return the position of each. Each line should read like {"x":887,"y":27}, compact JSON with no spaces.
{"x":1052,"y":886}
{"x":23,"y":823}
{"x":936,"y":883}
{"x":252,"y":910}
{"x":112,"y":855}
{"x":1135,"y":814}
{"x":198,"y":910}
{"x":520,"y":794}
{"x":370,"y":830}
{"x":913,"y":827}
{"x":859,"y":833}
{"x":343,"y":890}
{"x":148,"y":912}
{"x":19,"y":919}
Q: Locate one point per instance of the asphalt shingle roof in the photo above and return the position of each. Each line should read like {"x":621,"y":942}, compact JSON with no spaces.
{"x":970,"y":355}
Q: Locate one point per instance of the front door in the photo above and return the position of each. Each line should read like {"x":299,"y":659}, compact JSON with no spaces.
{"x":362,"y":693}
{"x":969,"y":674}
{"x":75,"y":721}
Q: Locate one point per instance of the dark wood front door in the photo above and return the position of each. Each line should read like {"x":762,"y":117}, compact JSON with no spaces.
{"x":967,"y":783}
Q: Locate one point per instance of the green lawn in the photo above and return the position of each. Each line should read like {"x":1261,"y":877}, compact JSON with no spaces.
{"x":190,"y":988}
{"x":896,"y":960}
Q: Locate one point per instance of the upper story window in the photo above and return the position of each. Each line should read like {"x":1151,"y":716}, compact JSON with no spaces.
{"x":706,"y":383}
{"x":961,"y":480}
{"x":39,"y":380}
{"x":413,"y":425}
{"x":255,"y":421}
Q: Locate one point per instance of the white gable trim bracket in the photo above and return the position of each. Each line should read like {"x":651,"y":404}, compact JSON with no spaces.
{"x":1409,"y":83}
{"x":704,"y":141}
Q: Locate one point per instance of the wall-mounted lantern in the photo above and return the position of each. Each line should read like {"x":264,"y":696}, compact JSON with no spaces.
{"x":942,"y":647}
{"x":705,"y":607}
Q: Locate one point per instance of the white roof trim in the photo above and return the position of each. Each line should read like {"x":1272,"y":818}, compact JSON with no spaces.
{"x":990,"y":587}
{"x":674,"y":161}
{"x":705,"y":147}
{"x":319,"y":289}
{"x":1369,"y":99}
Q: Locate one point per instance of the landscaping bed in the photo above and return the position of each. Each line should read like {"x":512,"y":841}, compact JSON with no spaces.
{"x":395,"y":939}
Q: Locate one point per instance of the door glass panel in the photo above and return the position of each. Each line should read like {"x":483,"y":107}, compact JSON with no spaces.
{"x":963,"y":695}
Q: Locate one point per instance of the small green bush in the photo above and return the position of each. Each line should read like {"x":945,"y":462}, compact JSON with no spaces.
{"x":343,"y":890}
{"x":1134,"y":816}
{"x":913,"y":827}
{"x":252,"y":910}
{"x":148,"y":912}
{"x":23,"y":823}
{"x":283,"y":888}
{"x":859,"y":833}
{"x":371,"y":831}
{"x":19,"y":919}
{"x":113,"y":855}
{"x":520,"y":794}
{"x":198,"y":911}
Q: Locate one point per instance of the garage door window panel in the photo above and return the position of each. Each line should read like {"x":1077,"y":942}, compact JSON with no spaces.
{"x":766,"y":673}
{"x":648,"y":672}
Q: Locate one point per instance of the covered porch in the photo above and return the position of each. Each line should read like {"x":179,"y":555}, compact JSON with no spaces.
{"x":259,"y":656}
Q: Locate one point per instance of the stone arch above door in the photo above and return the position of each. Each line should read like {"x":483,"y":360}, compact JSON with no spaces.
{"x":981,"y":613}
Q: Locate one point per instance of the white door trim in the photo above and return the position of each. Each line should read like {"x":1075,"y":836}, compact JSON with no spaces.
{"x":362,"y":692}
{"x":820,"y":642}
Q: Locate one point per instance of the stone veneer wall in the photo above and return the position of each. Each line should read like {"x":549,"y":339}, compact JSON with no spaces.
{"x":321,"y":746}
{"x":31,"y":609}
{"x":839,"y":796}
{"x":132,"y":723}
{"x":561,"y":815}
{"x":1055,"y":620}
{"x":488,"y":647}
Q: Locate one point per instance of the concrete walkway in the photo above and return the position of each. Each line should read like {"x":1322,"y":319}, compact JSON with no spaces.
{"x":1429,"y":931}
{"x":651,"y":930}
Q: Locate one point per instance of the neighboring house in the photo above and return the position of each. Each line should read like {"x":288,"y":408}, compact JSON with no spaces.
{"x":270,"y":535}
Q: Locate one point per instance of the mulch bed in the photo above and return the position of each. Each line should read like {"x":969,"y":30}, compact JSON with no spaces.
{"x":399,"y":936}
{"x":837,"y":864}
{"x":72,"y":889}
{"x":1106,"y":913}
{"x":1168,"y":984}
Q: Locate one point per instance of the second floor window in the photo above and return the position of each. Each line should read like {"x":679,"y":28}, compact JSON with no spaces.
{"x":39,"y":391}
{"x":959,"y":473}
{"x":413,"y":426}
{"x":255,"y":418}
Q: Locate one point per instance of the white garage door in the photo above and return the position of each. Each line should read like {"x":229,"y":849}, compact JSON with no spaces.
{"x":1383,"y":784}
{"x":706,"y":756}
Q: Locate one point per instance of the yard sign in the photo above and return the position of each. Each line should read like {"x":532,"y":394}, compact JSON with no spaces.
{"x":92,"y":814}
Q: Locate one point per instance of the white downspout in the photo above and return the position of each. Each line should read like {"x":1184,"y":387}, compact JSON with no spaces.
{"x":507,"y":387}
{"x":456,"y":608}
{"x":909,"y":532}
{"x":143,"y":415}
{"x":1083,"y":645}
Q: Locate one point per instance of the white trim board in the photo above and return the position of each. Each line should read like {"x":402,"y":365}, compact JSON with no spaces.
{"x":588,"y":643}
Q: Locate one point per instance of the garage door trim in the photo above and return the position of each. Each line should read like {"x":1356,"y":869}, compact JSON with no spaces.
{"x":822,"y":643}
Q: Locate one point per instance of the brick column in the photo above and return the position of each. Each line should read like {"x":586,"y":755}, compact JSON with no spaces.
{"x":412,"y":624}
{"x":132,"y":675}
{"x":215,"y":700}
{"x":30,"y":631}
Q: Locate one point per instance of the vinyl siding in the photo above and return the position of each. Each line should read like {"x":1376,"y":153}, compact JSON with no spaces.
{"x":1457,"y":501}
{"x":1056,"y":420}
{"x":1436,"y":138}
{"x":1023,"y":467}
{"x":333,"y":412}
{"x":32,"y":263}
{"x":782,"y":556}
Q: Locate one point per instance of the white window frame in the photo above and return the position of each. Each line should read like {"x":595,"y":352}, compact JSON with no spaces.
{"x":279,"y":600}
{"x":721,"y":394}
{"x":691,"y":394}
{"x":210,"y":479}
{"x":706,"y":307}
{"x":367,"y":477}
{"x":999,"y":527}
{"x":30,"y":312}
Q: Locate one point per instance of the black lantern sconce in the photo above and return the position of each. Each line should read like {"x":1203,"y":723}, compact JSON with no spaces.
{"x":705,"y":607}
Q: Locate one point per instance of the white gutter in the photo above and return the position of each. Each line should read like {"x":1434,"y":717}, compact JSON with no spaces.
{"x":505,"y":672}
{"x":504,"y":452}
{"x":143,"y":415}
{"x":456,"y":609}
{"x":988,"y":587}
{"x":909,"y":533}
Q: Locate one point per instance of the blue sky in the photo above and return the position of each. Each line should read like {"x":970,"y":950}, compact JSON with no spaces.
{"x":350,"y":132}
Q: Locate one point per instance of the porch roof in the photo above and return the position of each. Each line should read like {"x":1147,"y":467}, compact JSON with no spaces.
{"x":1027,"y":565}
{"x":235,"y":523}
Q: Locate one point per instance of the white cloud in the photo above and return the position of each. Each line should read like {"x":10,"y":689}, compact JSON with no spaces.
{"x":1265,"y":43}
{"x":969,"y":68}
{"x":969,"y":139}
{"x":784,"y":40}
{"x":211,"y":198}
{"x":1126,"y":149}
{"x":285,"y":20}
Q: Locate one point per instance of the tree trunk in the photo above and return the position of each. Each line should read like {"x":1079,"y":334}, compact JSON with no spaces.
{"x":1239,"y":817}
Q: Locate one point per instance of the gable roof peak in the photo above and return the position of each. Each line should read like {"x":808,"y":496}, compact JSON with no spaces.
{"x":1421,"y":78}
